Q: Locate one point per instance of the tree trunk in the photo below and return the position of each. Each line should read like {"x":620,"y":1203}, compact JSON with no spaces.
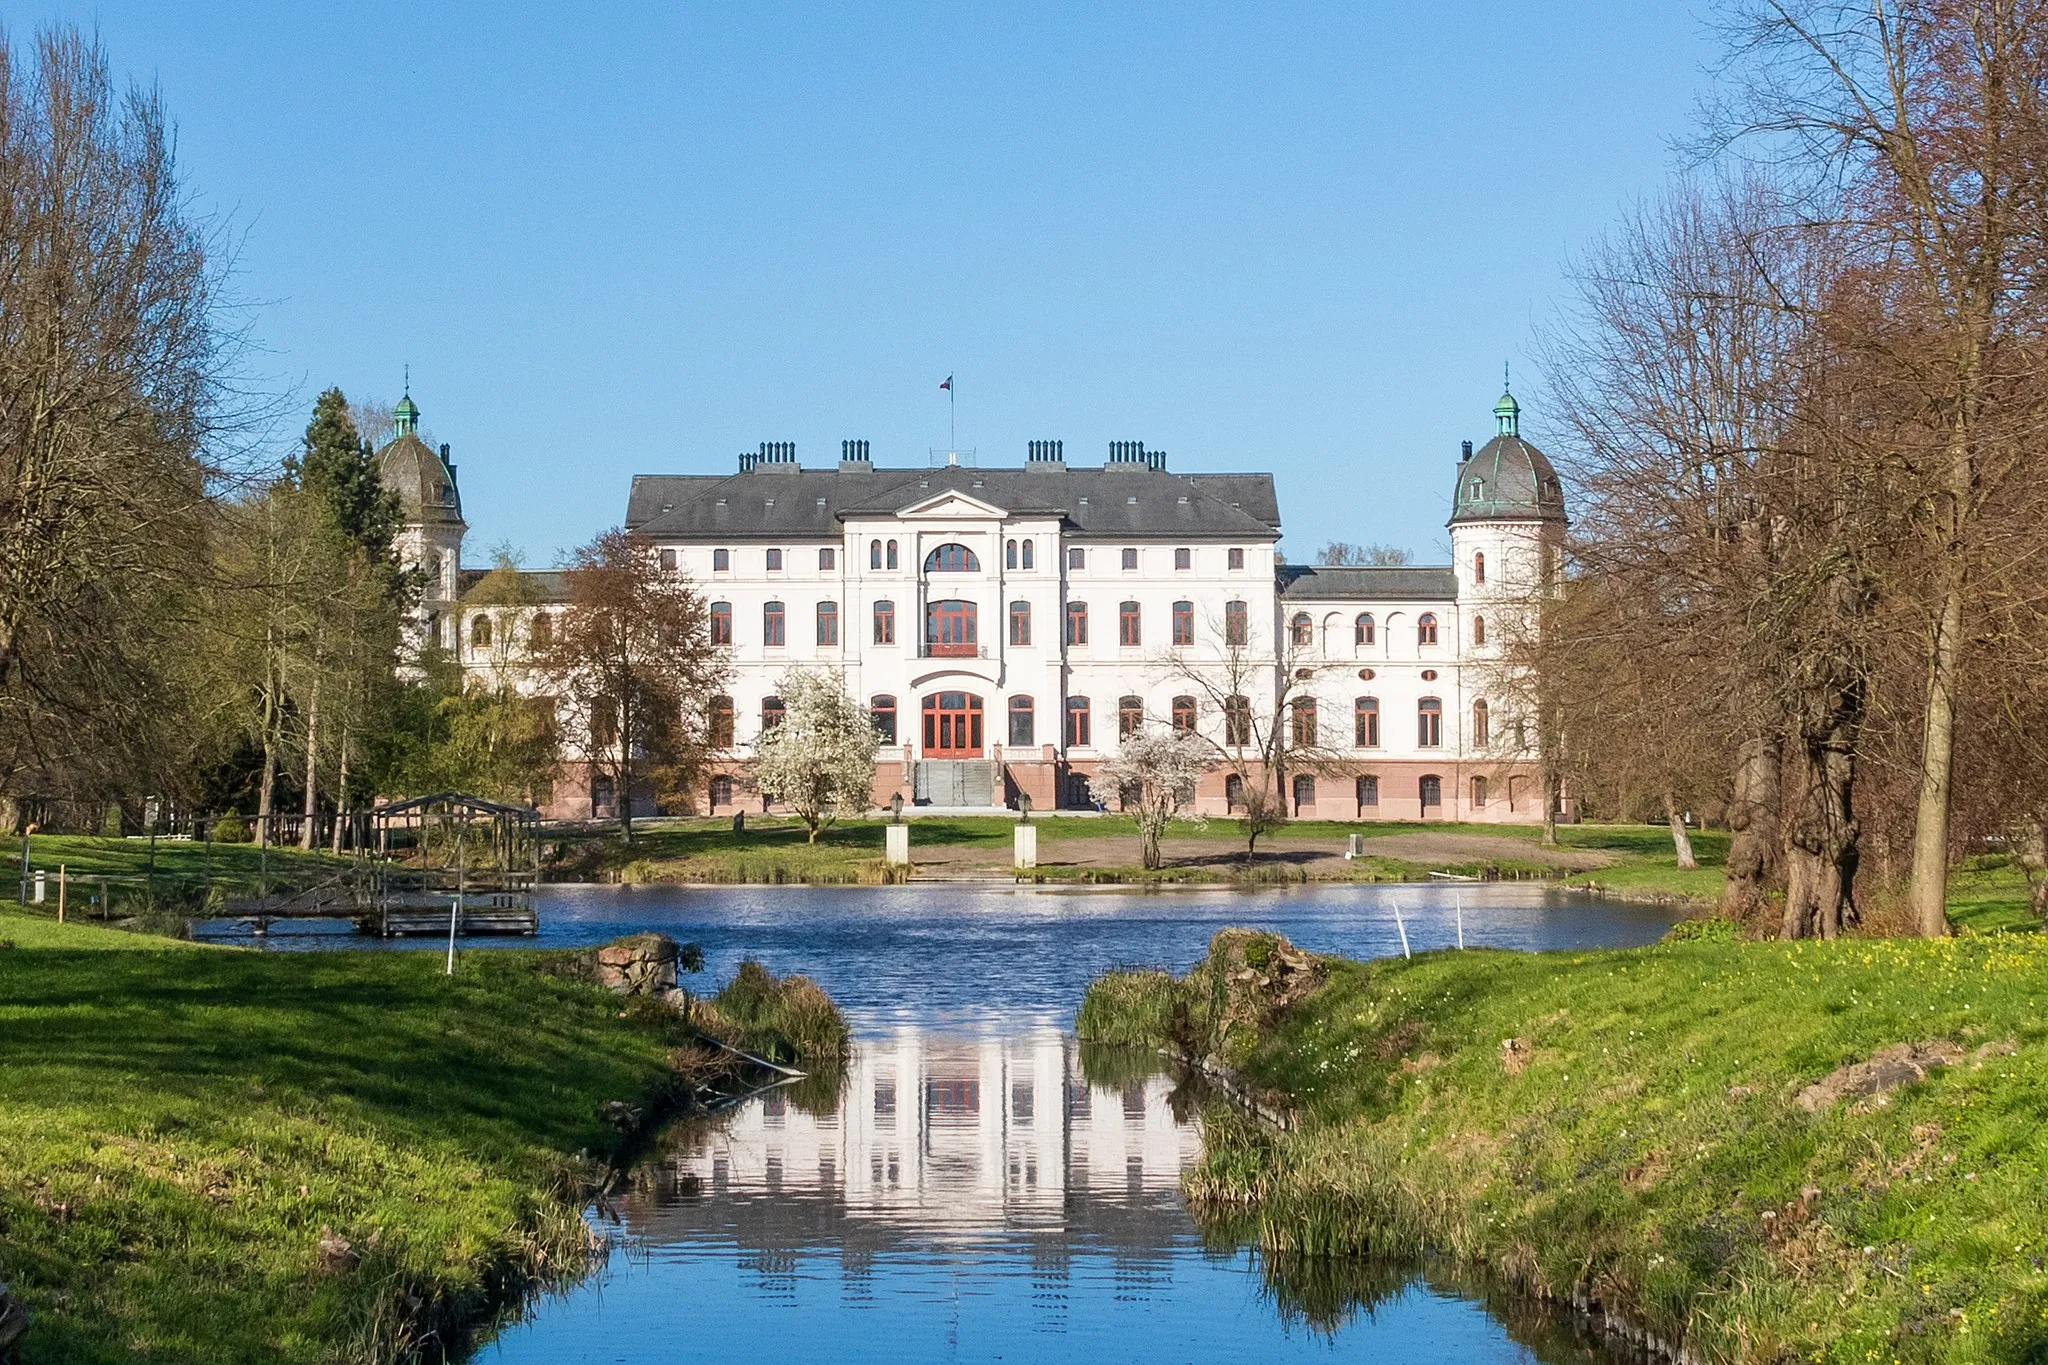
{"x":1821,"y":836}
{"x":1148,"y":843}
{"x":1928,"y":890}
{"x":309,"y":831}
{"x":341,"y":792}
{"x":1681,"y":841}
{"x":266,"y":790}
{"x":1549,"y":809}
{"x":1752,"y":863}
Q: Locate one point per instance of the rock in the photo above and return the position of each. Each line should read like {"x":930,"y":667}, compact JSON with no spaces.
{"x":619,"y":1115}
{"x":639,"y":964}
{"x":1514,"y":1055}
{"x":13,"y":1323}
{"x":1887,"y":1070}
{"x":337,"y":1256}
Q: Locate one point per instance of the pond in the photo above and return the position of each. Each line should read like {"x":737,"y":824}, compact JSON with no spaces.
{"x":974,"y":1192}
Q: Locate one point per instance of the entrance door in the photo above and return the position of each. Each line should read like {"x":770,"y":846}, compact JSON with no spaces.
{"x":952,"y":725}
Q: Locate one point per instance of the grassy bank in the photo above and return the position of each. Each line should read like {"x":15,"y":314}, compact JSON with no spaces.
{"x":1639,"y":1143}
{"x":178,"y":1125}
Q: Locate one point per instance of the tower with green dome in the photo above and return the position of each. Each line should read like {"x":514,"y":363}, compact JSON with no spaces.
{"x":431,"y":539}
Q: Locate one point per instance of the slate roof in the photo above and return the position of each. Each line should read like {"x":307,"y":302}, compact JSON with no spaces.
{"x":781,"y":502}
{"x":1363,"y":583}
{"x":1516,"y":482}
{"x":540,"y":586}
{"x":412,"y":469}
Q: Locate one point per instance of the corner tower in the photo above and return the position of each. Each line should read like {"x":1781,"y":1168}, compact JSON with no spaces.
{"x":431,"y":540}
{"x":1507,"y":514}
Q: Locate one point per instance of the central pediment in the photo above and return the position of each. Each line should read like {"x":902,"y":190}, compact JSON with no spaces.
{"x":952,"y":505}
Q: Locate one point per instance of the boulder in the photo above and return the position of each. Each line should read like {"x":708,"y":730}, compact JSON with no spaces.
{"x":639,"y":964}
{"x":13,"y":1323}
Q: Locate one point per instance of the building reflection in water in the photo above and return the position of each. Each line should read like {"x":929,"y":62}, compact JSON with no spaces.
{"x":938,"y":1147}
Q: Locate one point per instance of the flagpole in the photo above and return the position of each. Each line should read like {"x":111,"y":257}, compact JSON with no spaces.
{"x":952,"y":424}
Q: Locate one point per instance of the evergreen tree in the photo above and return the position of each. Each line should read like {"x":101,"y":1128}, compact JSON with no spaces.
{"x":337,"y":467}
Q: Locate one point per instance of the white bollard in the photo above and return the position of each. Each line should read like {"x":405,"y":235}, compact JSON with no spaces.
{"x":896,"y":845}
{"x":1027,"y":845}
{"x":37,"y":897}
{"x":1354,"y":847}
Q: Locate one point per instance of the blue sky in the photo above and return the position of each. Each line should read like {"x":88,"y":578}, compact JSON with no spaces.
{"x":623,"y":239}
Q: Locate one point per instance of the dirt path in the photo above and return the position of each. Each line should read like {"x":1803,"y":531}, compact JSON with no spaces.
{"x":1319,"y":855}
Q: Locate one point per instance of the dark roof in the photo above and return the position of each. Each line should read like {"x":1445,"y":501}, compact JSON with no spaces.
{"x":1362,"y":583}
{"x":537,"y":587}
{"x":412,"y":469}
{"x":783,"y":502}
{"x":1508,"y":479}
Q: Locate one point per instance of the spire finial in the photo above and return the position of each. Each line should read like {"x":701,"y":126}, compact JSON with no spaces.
{"x":408,"y":379}
{"x":1506,"y":387}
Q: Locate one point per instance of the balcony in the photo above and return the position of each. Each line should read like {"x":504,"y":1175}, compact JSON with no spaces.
{"x":935,"y":649}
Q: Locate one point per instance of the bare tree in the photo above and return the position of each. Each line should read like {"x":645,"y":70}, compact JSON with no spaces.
{"x":1919,"y":129}
{"x":631,"y":666}
{"x":1340,"y":552}
{"x":114,"y":390}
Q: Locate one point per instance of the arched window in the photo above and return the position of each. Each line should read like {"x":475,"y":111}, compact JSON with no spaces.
{"x":721,"y":791}
{"x":1027,"y":555}
{"x":1184,"y":715}
{"x":1481,"y":728}
{"x":1475,"y":489}
{"x":1010,"y":554}
{"x":1478,"y":792}
{"x":721,"y":623}
{"x":542,"y":632}
{"x":952,"y":557}
{"x":1425,"y":628}
{"x":1233,"y":792}
{"x":1020,"y":623}
{"x":1431,"y":790}
{"x":1304,"y":793}
{"x":1479,"y":567}
{"x":1129,"y":625}
{"x":1183,"y":623}
{"x":721,"y":561}
{"x":828,"y":623}
{"x":1304,"y":713}
{"x":720,"y":716}
{"x":1077,"y":623}
{"x":480,"y":631}
{"x":885,"y":622}
{"x":1077,"y":723}
{"x":1365,"y":722}
{"x":1130,"y":716}
{"x":1301,"y":630}
{"x":434,"y":569}
{"x":874,"y":554}
{"x":892,"y":554}
{"x":1362,"y":629}
{"x":771,"y":623}
{"x":1023,"y":721}
{"x":1237,"y":720}
{"x":1429,"y":723}
{"x":1235,"y":623}
{"x":773,"y":713}
{"x":1368,"y":793}
{"x":1479,"y":630}
{"x":882,"y":711}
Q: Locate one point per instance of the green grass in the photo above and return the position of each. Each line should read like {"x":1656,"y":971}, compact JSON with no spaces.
{"x":87,"y":855}
{"x":177,"y":1125}
{"x":1649,"y":1154}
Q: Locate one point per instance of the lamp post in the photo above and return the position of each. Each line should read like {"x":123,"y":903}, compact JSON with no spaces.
{"x":896,"y":809}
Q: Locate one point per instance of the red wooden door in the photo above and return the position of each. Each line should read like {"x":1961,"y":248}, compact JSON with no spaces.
{"x":952,"y":725}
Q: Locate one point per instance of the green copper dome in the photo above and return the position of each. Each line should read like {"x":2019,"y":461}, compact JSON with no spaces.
{"x":1507,"y":415}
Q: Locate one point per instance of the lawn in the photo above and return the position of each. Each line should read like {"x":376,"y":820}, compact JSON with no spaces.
{"x":178,"y":1125}
{"x":1639,"y":1142}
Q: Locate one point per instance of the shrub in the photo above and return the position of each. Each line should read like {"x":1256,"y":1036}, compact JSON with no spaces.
{"x":1711,"y":929}
{"x":1130,"y":1008}
{"x":781,"y":1018}
{"x":230,"y":829}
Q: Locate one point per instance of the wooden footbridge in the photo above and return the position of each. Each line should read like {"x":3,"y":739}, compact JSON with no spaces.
{"x":428,"y":864}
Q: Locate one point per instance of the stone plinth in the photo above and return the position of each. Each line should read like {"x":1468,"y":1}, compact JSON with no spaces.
{"x":896,"y":845}
{"x":1027,"y":845}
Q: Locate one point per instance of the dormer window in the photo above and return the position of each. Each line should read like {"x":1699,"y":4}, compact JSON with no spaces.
{"x":1475,"y":490}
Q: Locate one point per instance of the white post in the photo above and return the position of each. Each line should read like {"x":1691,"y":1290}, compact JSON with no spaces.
{"x":454,"y":909}
{"x":1459,"y":900}
{"x":1403,"y":927}
{"x":896,"y":845}
{"x":37,"y":898}
{"x":1027,"y":845}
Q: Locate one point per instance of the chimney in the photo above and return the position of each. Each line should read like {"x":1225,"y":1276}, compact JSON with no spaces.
{"x":1468,"y":452}
{"x":1047,"y":452}
{"x":450,"y":464}
{"x":780,"y":455}
{"x":853,"y":457}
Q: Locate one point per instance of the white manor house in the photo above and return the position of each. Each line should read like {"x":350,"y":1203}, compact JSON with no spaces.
{"x":1007,"y":626}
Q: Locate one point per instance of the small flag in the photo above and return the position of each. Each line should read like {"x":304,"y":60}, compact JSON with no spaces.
{"x":947,"y":383}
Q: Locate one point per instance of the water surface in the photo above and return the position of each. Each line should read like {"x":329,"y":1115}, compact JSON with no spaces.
{"x":971,"y":1193}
